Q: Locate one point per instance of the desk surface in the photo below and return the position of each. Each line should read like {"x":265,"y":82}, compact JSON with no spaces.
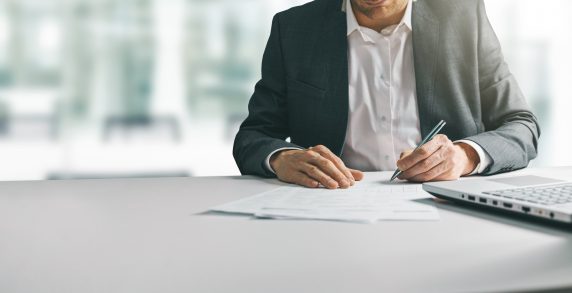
{"x":152,"y":235}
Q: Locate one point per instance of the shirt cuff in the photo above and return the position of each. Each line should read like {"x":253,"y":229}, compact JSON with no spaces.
{"x":484,"y":158}
{"x":267,"y":162}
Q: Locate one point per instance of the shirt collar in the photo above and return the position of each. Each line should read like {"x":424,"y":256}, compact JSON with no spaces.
{"x":353,"y":24}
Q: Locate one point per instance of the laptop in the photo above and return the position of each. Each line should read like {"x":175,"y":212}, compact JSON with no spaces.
{"x":537,"y":196}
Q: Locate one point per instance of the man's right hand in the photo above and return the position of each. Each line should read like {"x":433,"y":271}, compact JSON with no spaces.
{"x":312,"y":167}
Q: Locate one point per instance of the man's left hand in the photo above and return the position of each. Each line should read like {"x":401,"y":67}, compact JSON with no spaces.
{"x":438,"y":160}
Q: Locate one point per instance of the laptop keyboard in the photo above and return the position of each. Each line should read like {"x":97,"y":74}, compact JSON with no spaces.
{"x":545,"y":195}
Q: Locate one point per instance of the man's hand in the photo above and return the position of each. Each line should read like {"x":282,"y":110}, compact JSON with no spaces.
{"x":312,"y":167}
{"x":438,"y":160}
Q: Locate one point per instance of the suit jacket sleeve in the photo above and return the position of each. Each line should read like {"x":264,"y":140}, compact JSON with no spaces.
{"x":266,"y":127}
{"x":512,"y":131}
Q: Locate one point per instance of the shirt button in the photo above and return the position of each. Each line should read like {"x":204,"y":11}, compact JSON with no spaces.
{"x":386,"y":157}
{"x":385,"y":81}
{"x":383,"y":118}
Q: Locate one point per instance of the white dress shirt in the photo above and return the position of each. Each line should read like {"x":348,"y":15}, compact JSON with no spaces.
{"x":383,"y":118}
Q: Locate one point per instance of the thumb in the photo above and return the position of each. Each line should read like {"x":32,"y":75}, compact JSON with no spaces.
{"x":405,"y":154}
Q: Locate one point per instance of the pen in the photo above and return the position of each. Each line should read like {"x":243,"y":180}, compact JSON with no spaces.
{"x":428,"y":138}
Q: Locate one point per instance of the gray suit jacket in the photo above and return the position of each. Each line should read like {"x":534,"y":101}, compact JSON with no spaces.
{"x":460,"y":72}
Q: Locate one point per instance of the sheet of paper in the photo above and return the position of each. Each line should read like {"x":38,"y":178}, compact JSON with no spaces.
{"x":327,"y":215}
{"x":365,"y":196}
{"x":393,"y":211}
{"x":365,"y":202}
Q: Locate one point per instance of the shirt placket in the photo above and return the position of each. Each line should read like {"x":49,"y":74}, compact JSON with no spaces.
{"x":385,"y":109}
{"x":396,"y":134}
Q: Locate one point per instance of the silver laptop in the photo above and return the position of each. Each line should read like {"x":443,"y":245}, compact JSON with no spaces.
{"x":540,"y":196}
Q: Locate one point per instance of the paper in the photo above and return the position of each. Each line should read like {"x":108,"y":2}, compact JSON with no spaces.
{"x":365,"y":202}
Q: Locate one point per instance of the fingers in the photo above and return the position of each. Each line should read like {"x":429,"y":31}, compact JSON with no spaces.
{"x":326,"y":180}
{"x":320,"y":163}
{"x":405,"y":154}
{"x":290,"y":171}
{"x":427,"y":164}
{"x":303,"y":179}
{"x":317,"y":174}
{"x":339,"y":164}
{"x":358,"y":175}
{"x":440,"y":159}
{"x":422,"y":153}
{"x":434,"y":173}
{"x":314,"y":167}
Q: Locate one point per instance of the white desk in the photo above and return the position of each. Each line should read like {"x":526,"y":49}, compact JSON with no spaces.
{"x":152,"y":236}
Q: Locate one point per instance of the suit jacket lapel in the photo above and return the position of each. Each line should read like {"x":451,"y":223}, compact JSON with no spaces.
{"x":336,"y":50}
{"x":425,"y":53}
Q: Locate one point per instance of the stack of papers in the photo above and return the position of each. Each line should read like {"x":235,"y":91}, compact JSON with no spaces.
{"x":365,"y":202}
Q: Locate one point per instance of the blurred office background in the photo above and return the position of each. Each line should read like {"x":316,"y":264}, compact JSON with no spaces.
{"x":119,"y":88}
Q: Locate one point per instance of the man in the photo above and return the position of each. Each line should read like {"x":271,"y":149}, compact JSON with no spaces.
{"x":355,"y":84}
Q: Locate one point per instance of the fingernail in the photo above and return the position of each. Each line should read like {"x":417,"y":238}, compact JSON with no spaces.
{"x":333,"y":183}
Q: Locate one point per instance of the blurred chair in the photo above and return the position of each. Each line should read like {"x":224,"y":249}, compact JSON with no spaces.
{"x":130,"y":127}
